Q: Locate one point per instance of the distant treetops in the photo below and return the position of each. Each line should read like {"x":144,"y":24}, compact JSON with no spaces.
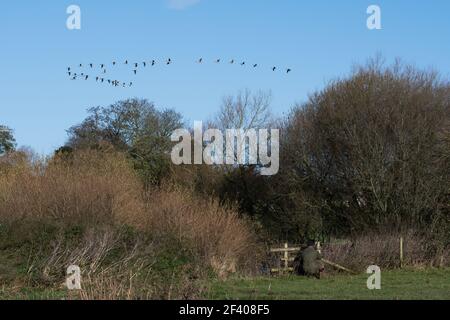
{"x":7,"y":141}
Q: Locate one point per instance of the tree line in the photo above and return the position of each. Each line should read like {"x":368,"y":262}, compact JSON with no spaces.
{"x":368,"y":153}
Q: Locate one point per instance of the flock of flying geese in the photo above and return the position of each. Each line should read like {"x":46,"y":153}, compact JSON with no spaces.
{"x":116,"y":83}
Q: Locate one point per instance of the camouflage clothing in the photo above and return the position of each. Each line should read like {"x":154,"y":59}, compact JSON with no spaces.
{"x":309,"y":262}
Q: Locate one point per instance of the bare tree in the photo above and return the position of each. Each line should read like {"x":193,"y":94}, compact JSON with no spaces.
{"x":245,"y":111}
{"x":240,"y":117}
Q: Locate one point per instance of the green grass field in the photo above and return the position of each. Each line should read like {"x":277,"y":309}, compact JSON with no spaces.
{"x":429,"y":284}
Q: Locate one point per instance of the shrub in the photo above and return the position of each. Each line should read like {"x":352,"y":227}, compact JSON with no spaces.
{"x":89,"y":208}
{"x":383,"y":250}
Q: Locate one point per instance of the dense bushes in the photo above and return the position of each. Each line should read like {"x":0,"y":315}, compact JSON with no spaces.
{"x":383,"y":250}
{"x":89,"y":208}
{"x":367,"y":153}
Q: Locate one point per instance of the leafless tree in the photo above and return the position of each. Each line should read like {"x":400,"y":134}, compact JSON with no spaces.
{"x":245,"y":111}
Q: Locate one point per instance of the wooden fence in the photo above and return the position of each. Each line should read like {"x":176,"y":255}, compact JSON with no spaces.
{"x":286,"y":258}
{"x":288,"y":252}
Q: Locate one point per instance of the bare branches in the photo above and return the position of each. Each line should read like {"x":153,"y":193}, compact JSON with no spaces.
{"x":245,"y":111}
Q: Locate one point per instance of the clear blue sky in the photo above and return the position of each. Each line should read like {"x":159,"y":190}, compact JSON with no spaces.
{"x":319,"y":40}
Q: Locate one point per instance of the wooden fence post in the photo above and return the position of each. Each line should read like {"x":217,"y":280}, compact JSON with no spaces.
{"x":401,"y":252}
{"x":286,"y":258}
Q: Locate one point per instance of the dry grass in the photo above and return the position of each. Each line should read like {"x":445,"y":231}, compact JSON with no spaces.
{"x":89,"y":209}
{"x":89,"y":188}
{"x":216,"y":235}
{"x":384,"y":250}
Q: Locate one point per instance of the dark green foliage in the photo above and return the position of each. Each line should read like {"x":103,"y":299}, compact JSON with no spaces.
{"x":7,"y":141}
{"x":369,"y":152}
{"x":134,"y":126}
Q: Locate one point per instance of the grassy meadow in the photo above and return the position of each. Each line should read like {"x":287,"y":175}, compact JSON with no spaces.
{"x":428,"y":284}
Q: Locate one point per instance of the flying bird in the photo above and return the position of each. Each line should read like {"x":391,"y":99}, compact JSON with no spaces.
{"x":131,"y":83}
{"x":255,"y":65}
{"x":288,"y":70}
{"x":153,"y":62}
{"x":87,"y":77}
{"x":96,"y":79}
{"x":126,"y":61}
{"x":200,"y":60}
{"x":243,"y":63}
{"x":274,"y":68}
{"x":144,"y":63}
{"x":102,"y":66}
{"x":218,"y":61}
{"x":114,"y":63}
{"x":91,"y":65}
{"x":136,"y":65}
{"x":135,"y":71}
{"x":81,"y":66}
{"x":169,"y":61}
{"x":232,"y":61}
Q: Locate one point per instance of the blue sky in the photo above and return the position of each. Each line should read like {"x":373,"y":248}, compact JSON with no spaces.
{"x":319,"y":40}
